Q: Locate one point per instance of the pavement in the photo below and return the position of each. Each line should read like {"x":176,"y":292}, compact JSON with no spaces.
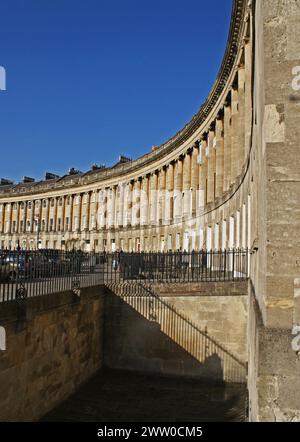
{"x":121,"y":396}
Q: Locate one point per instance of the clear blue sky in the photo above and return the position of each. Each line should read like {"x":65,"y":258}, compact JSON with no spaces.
{"x":88,"y":80}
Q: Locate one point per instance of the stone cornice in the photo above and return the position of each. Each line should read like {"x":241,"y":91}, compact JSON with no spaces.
{"x":235,"y":40}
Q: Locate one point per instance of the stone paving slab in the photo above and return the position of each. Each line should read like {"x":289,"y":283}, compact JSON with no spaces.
{"x":116,"y":396}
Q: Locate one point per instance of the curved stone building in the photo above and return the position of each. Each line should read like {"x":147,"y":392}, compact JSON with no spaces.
{"x":191,"y":192}
{"x":229,"y":178}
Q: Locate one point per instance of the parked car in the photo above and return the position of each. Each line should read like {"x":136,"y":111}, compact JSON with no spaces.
{"x":8,"y":268}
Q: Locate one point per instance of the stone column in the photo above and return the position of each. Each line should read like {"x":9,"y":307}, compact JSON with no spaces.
{"x":248,"y":94}
{"x":18,"y":218}
{"x":129,"y":203}
{"x":70,"y":212}
{"x":9,"y":213}
{"x":227,"y":146}
{"x":235,"y":135}
{"x":203,"y":176}
{"x":211,"y":166}
{"x":219,"y":156}
{"x":32,"y":217}
{"x":241,"y":117}
{"x":169,"y":193}
{"x":187,"y":185}
{"x":111,"y":207}
{"x":136,"y":203}
{"x":47,"y":214}
{"x":161,"y":196}
{"x":194,"y":179}
{"x":144,"y":200}
{"x":153,"y":199}
{"x":121,"y":191}
{"x":178,"y":190}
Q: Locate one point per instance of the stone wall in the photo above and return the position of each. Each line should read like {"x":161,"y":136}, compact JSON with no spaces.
{"x":51,"y":353}
{"x":186,"y":330}
{"x":274,"y":381}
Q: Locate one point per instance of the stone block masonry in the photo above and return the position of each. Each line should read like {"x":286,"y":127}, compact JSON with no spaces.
{"x":187,"y":330}
{"x":51,"y":354}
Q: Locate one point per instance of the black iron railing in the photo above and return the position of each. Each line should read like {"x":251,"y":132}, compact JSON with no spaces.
{"x":31,"y":273}
{"x":214,"y":265}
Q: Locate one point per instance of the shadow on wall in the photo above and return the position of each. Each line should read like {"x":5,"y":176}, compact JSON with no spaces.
{"x":144,"y":333}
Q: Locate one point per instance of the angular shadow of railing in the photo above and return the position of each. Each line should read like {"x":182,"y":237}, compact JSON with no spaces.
{"x":181,"y":330}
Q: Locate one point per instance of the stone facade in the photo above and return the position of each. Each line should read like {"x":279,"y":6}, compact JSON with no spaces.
{"x":50,"y":355}
{"x":185,"y":194}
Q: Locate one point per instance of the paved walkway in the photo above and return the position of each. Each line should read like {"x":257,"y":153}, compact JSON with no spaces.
{"x":115,"y":396}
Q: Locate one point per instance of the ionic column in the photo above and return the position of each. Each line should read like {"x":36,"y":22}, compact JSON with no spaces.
{"x":129,"y":203}
{"x":153,"y":199}
{"x":9,"y":214}
{"x":3,"y":218}
{"x":47,"y":213}
{"x":18,"y":218}
{"x":227,"y":146}
{"x":194,"y":179}
{"x":161,"y":195}
{"x":77,"y":212}
{"x":248,"y":88}
{"x":136,"y":203}
{"x":241,"y":117}
{"x":111,"y":208}
{"x":169,"y":193}
{"x":144,"y":201}
{"x":55,"y":209}
{"x":70,"y":212}
{"x":187,"y":185}
{"x":203,"y":176}
{"x":178,"y":190}
{"x":219,"y":156}
{"x":211,"y":166}
{"x":121,"y":192}
{"x":102,"y":208}
{"x":235,"y":140}
{"x":32,"y":217}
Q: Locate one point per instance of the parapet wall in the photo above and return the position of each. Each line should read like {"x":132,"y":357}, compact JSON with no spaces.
{"x":181,"y":332}
{"x":51,"y":354}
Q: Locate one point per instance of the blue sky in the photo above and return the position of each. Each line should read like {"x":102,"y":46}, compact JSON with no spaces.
{"x":89,"y":80}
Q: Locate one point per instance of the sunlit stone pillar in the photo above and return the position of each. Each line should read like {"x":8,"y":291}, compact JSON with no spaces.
{"x":219,"y":156}
{"x":203,"y":175}
{"x":227,"y":146}
{"x":248,"y":94}
{"x":235,"y":136}
{"x":194,"y":179}
{"x":153,"y":199}
{"x":101,"y":208}
{"x":169,"y":193}
{"x":187,"y":185}
{"x":136,"y":203}
{"x":144,"y":200}
{"x":47,"y":214}
{"x":77,"y":213}
{"x":8,"y":218}
{"x":211,"y":166}
{"x":178,"y":190}
{"x":161,"y":195}
{"x":69,"y":213}
{"x":241,"y":117}
{"x":111,"y":208}
{"x":120,"y":205}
